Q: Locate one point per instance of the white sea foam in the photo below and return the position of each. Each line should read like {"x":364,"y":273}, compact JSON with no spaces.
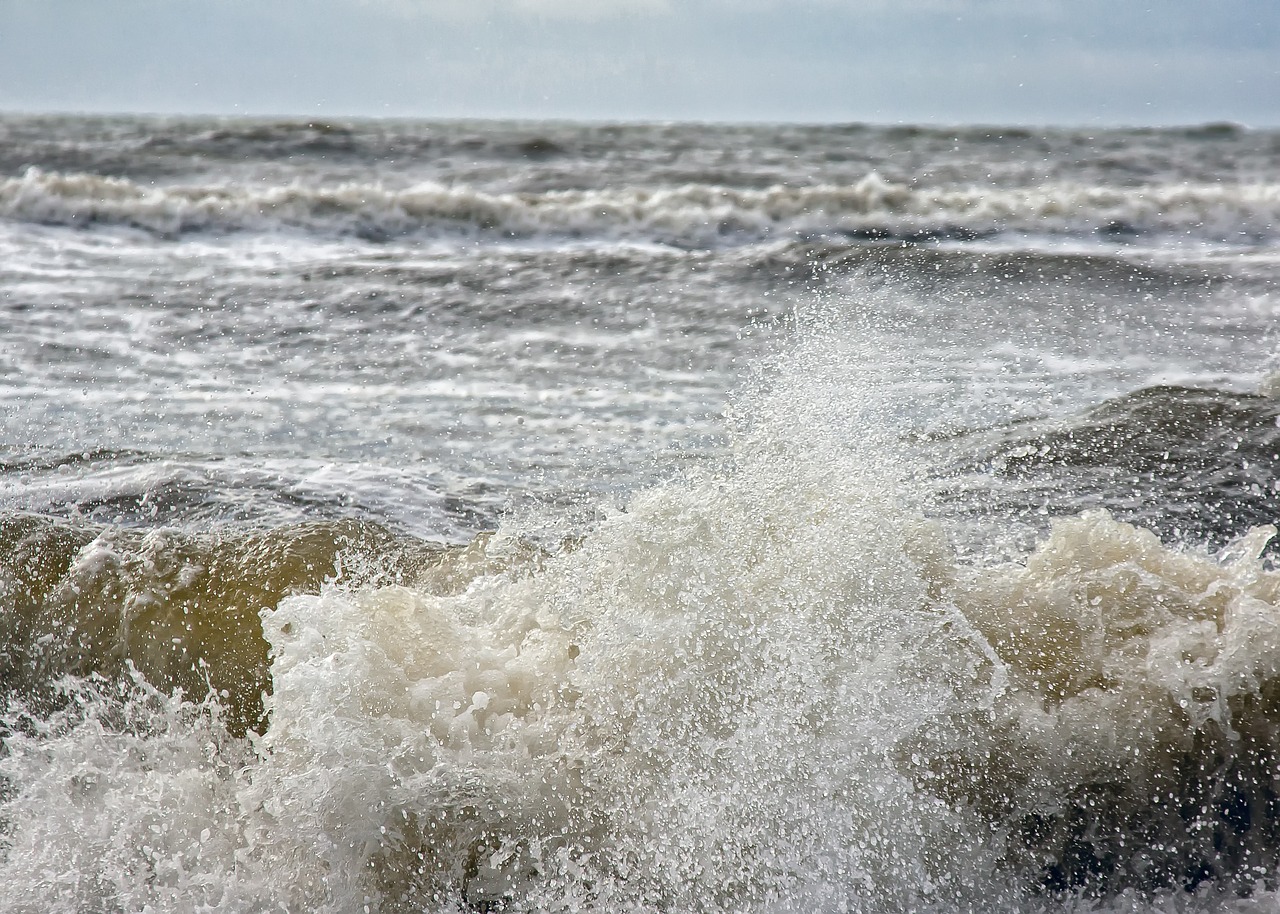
{"x":769,"y":687}
{"x":691,"y":213}
{"x":125,"y":802}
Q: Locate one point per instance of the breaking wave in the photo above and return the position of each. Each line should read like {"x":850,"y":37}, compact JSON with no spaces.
{"x":766,"y":687}
{"x":694,"y":214}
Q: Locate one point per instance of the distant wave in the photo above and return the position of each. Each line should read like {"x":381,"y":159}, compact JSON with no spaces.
{"x":695,"y":214}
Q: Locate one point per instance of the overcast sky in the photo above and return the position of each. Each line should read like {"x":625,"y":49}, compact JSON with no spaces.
{"x":949,"y":61}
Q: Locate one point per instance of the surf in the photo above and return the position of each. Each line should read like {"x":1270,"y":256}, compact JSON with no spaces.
{"x":697,"y":214}
{"x":767,"y":684}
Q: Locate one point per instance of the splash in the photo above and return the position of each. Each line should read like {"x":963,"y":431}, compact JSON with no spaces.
{"x":771,"y":686}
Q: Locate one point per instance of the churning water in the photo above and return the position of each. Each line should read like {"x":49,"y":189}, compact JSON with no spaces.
{"x":425,"y":517}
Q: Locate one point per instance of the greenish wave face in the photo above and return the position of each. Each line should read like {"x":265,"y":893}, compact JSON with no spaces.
{"x":184,"y":609}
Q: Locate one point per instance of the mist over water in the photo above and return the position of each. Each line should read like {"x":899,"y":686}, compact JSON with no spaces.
{"x":448,"y":517}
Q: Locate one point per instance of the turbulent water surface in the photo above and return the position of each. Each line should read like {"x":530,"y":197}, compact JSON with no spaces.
{"x":426,"y":517}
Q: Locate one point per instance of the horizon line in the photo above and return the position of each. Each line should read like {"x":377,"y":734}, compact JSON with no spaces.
{"x":1218,"y":124}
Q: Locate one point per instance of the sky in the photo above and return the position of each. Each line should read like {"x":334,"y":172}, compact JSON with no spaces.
{"x":881,"y":61}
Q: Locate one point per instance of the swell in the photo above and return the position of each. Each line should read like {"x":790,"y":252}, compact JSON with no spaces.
{"x":1195,"y":465}
{"x":870,"y":209}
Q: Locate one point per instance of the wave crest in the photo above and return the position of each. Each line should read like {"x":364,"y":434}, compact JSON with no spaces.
{"x":690,"y":214}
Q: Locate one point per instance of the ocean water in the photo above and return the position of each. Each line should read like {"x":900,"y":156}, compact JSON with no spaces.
{"x":442,"y":517}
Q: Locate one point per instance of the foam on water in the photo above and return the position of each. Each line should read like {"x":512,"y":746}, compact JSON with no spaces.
{"x":767,"y":687}
{"x":686,"y":214}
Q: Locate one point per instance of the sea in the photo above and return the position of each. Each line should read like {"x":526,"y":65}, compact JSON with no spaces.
{"x":451,"y":516}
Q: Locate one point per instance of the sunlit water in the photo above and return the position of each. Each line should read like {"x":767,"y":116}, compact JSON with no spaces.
{"x":549,"y":517}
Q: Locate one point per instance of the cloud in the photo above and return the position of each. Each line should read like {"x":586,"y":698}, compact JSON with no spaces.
{"x":1029,"y":61}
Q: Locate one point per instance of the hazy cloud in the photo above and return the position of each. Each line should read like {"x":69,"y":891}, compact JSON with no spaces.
{"x":1025,"y":61}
